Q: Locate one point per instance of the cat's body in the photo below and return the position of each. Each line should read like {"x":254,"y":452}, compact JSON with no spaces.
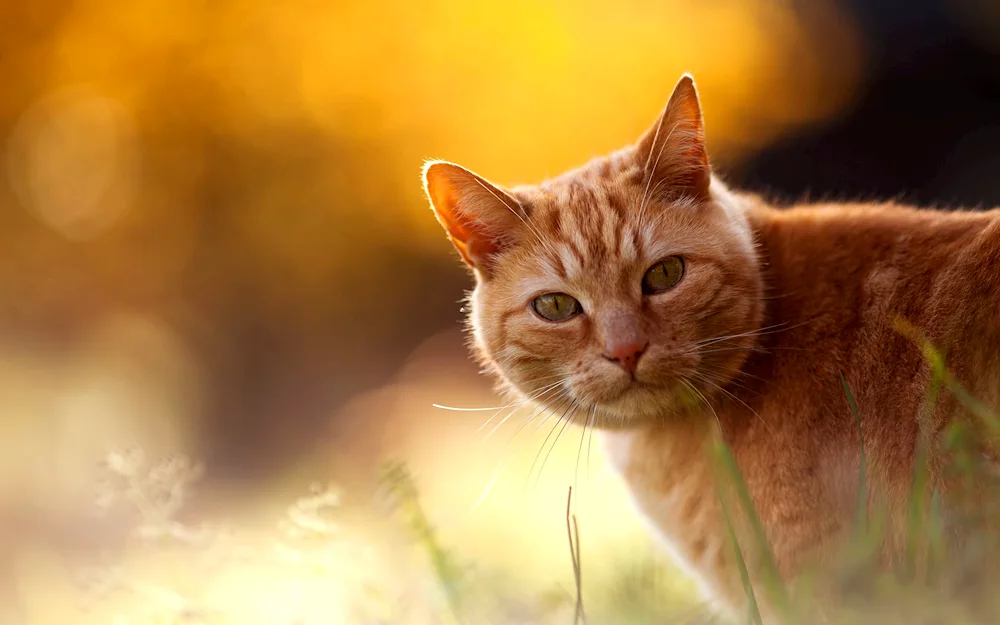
{"x":829,"y":309}
{"x":640,"y":296}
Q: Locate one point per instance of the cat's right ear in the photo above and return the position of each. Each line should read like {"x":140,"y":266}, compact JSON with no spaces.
{"x":479,"y":217}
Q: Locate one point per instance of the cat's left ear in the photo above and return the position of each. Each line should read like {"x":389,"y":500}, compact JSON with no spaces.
{"x":673,"y":151}
{"x":480,"y":218}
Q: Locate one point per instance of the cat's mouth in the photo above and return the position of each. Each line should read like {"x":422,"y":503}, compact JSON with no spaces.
{"x":642,"y":399}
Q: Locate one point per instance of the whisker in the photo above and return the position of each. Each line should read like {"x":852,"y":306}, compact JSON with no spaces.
{"x":772,"y":329}
{"x":739,"y":335}
{"x":517,"y":404}
{"x":777,"y":327}
{"x":555,"y":441}
{"x":734,"y":382}
{"x":458,"y":409}
{"x":738,"y":348}
{"x":518,"y":212}
{"x":512,"y":412}
{"x":704,"y":399}
{"x":590,"y":437}
{"x":508,"y":455}
{"x":541,"y":379}
{"x":725,"y":381}
{"x":734,"y":374}
{"x":547,"y":437}
{"x":521,"y":214}
{"x":733,"y":396}
{"x":556,"y":402}
{"x":651,"y":170}
{"x":588,"y":423}
{"x":751,"y":348}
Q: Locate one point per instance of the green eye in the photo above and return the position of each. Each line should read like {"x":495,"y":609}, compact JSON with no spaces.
{"x":663,"y":276}
{"x":556,"y":306}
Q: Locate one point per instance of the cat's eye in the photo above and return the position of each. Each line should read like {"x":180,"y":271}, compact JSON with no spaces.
{"x":556,"y":306}
{"x":663,"y":276}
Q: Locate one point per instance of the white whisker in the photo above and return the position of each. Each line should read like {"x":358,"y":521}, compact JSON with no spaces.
{"x":773,"y":329}
{"x":512,"y":412}
{"x":552,"y":430}
{"x":704,"y":399}
{"x":458,"y":409}
{"x":518,"y":404}
{"x":733,"y":396}
{"x":520,"y":213}
{"x":650,"y":171}
{"x":589,"y":423}
{"x":566,"y":420}
{"x":590,"y":437}
{"x":508,"y":455}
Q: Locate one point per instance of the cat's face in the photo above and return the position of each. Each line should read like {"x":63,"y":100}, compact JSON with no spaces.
{"x":622,"y":291}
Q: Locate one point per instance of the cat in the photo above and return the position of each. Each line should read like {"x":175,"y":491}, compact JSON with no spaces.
{"x":647,"y":300}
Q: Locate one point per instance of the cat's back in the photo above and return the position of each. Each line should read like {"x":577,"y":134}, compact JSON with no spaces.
{"x":871,"y":252}
{"x":848,"y":279}
{"x":873,"y":228}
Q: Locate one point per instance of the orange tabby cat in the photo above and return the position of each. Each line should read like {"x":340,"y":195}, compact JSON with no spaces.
{"x":666,"y":309}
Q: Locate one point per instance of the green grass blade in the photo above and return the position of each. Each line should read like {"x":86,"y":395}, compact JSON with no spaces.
{"x":753,"y":615}
{"x":861,"y":502}
{"x":397,"y":478}
{"x":936,"y":532}
{"x":973,"y":405}
{"x":936,"y":361}
{"x":917,"y":522}
{"x":769,"y":569}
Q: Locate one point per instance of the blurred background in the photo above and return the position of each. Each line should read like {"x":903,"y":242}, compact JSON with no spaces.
{"x":214,"y":241}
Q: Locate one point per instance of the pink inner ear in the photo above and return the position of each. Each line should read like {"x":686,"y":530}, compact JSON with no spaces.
{"x":480,"y":249}
{"x":475,"y":213}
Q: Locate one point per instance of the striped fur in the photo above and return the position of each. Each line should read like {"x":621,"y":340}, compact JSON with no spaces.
{"x":774,"y":305}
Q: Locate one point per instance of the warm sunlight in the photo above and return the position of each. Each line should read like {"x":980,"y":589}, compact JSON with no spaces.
{"x":235,"y":382}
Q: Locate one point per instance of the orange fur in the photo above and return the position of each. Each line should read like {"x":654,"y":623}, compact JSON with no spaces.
{"x":749,"y":345}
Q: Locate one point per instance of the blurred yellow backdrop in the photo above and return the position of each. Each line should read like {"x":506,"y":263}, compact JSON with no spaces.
{"x":215,"y":242}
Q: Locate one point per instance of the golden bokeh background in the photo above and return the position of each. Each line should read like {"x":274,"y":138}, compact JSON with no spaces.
{"x":215,"y":243}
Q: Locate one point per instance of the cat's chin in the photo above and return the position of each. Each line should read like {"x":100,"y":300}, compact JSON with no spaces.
{"x":613,"y":418}
{"x":641,"y":404}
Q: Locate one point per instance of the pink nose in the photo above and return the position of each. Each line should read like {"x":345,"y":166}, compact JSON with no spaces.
{"x":626,"y":354}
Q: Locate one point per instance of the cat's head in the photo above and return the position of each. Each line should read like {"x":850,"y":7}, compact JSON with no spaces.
{"x":622,"y":291}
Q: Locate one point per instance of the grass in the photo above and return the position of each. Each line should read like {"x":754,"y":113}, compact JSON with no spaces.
{"x":316,"y":572}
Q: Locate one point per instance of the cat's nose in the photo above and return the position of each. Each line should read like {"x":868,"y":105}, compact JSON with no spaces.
{"x":626,"y":354}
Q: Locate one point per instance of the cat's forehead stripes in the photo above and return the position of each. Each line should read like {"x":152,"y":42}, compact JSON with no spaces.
{"x":586,"y":223}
